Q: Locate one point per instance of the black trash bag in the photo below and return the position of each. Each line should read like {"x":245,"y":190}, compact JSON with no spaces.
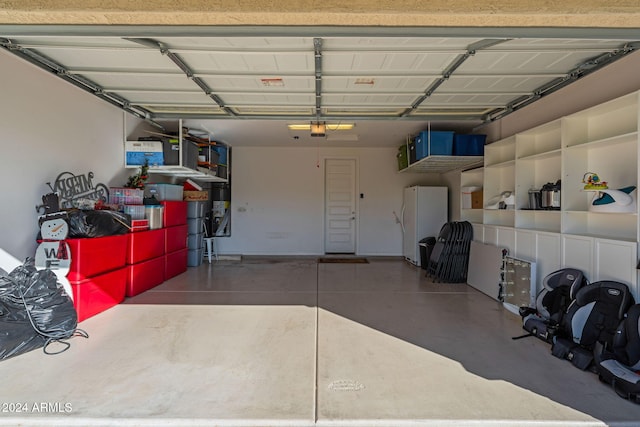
{"x":35,"y":311}
{"x":97,"y":223}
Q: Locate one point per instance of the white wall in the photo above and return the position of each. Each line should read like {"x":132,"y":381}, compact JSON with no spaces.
{"x":277,"y":202}
{"x":48,"y":127}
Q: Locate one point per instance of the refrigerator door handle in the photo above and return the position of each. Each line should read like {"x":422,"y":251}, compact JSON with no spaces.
{"x":402,"y":219}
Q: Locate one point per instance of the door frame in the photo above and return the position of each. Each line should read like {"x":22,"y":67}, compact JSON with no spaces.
{"x":356,"y":191}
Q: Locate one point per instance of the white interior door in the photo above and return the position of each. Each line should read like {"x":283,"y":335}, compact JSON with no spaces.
{"x":340,"y":206}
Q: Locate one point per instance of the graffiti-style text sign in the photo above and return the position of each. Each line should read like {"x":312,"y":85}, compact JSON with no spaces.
{"x":71,"y":187}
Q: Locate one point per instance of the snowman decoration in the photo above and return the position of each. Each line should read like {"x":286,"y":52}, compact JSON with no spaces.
{"x":54,"y":252}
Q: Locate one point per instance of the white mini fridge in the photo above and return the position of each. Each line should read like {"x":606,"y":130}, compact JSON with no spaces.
{"x":424,"y":212}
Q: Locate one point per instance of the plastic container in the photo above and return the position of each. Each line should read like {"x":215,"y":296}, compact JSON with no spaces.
{"x":165,"y":191}
{"x":195,"y":241}
{"x":175,"y":213}
{"x":139,"y":225}
{"x":469,"y":145}
{"x":175,"y":238}
{"x":145,"y":245}
{"x":223,"y":155}
{"x":403,"y":157}
{"x":155,"y":216}
{"x":433,"y":143}
{"x":92,"y":257}
{"x":144,"y":276}
{"x":171,"y":151}
{"x":195,"y":209}
{"x":195,"y":225}
{"x":190,"y":153}
{"x":125,"y":196}
{"x":194,"y":257}
{"x":136,"y":211}
{"x":175,"y":263}
{"x":97,"y":294}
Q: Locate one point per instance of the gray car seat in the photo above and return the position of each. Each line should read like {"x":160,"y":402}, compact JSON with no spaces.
{"x":591,"y":322}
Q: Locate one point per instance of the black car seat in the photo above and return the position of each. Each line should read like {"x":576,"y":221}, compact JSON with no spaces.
{"x":558,"y":290}
{"x":591,"y":322}
{"x":619,"y":366}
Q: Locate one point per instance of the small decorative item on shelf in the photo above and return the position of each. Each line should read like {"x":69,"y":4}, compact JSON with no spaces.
{"x":592,"y":182}
{"x":622,"y":200}
{"x":138,"y":180}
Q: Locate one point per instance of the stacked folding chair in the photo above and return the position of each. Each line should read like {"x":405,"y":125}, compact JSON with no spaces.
{"x":449,"y":258}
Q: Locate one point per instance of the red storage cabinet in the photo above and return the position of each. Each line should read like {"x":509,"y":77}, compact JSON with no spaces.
{"x":144,"y":276}
{"x":176,"y":238}
{"x":175,"y":263}
{"x":94,"y":256}
{"x":97,"y":294}
{"x":175,"y":213}
{"x":145,"y":245}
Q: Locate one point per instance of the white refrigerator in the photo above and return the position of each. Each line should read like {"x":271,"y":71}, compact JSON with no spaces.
{"x":424,"y":212}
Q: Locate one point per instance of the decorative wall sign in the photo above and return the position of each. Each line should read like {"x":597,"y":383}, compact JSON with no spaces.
{"x":70,"y":187}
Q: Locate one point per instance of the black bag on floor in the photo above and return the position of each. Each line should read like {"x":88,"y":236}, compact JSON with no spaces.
{"x":35,"y":311}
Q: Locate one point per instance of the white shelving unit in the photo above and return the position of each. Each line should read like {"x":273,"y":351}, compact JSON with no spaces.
{"x":187,"y":163}
{"x":603,"y":139}
{"x":499,"y":176}
{"x":440,"y":164}
{"x":471,"y":178}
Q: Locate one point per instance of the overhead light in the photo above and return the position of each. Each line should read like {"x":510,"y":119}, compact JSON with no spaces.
{"x":340,"y":126}
{"x":318,"y":129}
{"x":328,"y":126}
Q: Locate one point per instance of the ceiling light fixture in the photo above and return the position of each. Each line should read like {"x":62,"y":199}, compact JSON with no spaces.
{"x":328,"y":126}
{"x":318,"y":129}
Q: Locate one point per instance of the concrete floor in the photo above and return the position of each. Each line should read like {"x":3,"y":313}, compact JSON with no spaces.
{"x":289,"y":342}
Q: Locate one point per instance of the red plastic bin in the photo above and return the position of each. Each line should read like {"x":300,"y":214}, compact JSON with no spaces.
{"x":97,"y":294}
{"x":145,"y":245}
{"x":144,"y":276}
{"x":175,"y":263}
{"x":175,"y":238}
{"x":92,"y":257}
{"x":175,"y":213}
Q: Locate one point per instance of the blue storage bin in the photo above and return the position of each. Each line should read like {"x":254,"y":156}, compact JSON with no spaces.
{"x":222,"y":151}
{"x":469,"y":145}
{"x":433,"y":143}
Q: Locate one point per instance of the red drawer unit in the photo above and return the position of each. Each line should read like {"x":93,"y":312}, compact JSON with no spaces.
{"x":145,"y":245}
{"x":97,"y":294}
{"x":175,"y":238}
{"x":175,"y":263}
{"x":145,"y":275}
{"x":175,"y":213}
{"x":91,"y":257}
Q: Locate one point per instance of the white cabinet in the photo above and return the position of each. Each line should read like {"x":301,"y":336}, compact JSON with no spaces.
{"x":602,"y":140}
{"x":616,"y":260}
{"x":577,"y":252}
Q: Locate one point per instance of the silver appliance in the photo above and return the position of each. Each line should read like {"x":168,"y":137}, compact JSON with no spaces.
{"x":424,"y":212}
{"x":550,"y":195}
{"x":535,"y":201}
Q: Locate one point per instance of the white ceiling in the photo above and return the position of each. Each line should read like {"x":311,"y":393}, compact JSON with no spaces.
{"x":246,"y":88}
